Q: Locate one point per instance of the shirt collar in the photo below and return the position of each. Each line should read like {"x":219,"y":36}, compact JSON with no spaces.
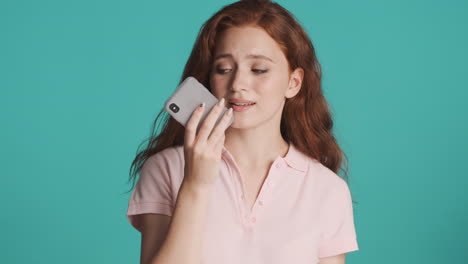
{"x":294,"y":158}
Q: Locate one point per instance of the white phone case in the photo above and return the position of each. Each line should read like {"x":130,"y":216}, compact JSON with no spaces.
{"x":188,"y":96}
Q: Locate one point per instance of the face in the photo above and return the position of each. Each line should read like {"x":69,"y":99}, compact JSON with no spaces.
{"x":249,"y":65}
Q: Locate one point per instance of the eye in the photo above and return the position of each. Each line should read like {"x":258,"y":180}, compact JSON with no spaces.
{"x":222,"y":70}
{"x":259,"y":71}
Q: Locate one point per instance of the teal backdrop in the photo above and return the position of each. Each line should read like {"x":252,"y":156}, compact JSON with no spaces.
{"x":82,"y":81}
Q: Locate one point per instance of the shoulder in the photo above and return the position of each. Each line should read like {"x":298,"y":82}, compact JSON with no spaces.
{"x":173,"y":155}
{"x":164,"y":167}
{"x":168,"y":162}
{"x":329,"y":183}
{"x":318,"y":174}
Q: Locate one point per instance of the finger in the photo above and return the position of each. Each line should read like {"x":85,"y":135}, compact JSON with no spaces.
{"x":220,"y":144}
{"x":219,"y":130}
{"x":209,"y":121}
{"x":192,"y":124}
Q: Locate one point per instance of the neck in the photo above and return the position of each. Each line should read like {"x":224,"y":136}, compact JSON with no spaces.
{"x":254,"y":148}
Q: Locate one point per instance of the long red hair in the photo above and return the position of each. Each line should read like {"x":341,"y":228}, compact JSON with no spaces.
{"x":306,"y":119}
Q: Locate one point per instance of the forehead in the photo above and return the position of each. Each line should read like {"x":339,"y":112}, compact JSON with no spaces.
{"x":242,"y":41}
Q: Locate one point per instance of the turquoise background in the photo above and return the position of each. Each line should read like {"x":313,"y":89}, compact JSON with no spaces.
{"x":82,"y":81}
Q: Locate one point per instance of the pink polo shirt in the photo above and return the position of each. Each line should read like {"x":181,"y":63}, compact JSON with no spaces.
{"x":303,"y":212}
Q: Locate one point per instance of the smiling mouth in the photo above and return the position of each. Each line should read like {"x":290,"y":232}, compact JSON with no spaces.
{"x":241,"y":107}
{"x":239,"y":104}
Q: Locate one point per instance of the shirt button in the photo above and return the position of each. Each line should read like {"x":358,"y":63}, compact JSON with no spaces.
{"x":278,"y":165}
{"x":260,"y":202}
{"x":254,"y":219}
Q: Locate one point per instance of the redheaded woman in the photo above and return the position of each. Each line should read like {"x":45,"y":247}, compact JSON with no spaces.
{"x":266,"y":188}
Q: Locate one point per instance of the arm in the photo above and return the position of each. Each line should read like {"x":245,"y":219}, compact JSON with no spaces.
{"x":154,"y":229}
{"x":182,"y":245}
{"x":338,"y":259}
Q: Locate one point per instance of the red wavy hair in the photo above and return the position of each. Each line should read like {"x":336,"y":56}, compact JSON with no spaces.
{"x":306,"y":119}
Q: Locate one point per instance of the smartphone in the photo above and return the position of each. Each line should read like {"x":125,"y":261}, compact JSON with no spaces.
{"x":188,"y":96}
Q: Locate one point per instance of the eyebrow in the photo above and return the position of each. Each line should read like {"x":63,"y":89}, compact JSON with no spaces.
{"x":249,"y":56}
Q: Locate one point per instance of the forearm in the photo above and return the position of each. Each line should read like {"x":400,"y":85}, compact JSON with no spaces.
{"x":184,"y":238}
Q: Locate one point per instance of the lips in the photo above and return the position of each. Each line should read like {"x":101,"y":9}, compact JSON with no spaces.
{"x":240,"y":101}
{"x":241,"y":104}
{"x":241,"y":108}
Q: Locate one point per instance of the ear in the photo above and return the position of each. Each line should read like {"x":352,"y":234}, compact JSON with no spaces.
{"x":295,"y":82}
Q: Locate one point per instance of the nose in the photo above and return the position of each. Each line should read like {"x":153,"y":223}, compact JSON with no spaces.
{"x":238,"y":81}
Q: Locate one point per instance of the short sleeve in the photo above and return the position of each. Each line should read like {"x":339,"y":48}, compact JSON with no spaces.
{"x":338,"y":233}
{"x":155,"y":189}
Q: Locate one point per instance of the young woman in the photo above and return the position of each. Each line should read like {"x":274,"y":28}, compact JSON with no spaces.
{"x":265,"y":189}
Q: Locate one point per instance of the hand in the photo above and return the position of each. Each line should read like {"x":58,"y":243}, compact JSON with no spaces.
{"x":202,"y":151}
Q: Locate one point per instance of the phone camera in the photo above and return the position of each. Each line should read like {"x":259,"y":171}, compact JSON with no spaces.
{"x":174,"y":108}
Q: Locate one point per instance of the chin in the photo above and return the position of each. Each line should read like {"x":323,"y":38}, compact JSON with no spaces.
{"x":242,"y":124}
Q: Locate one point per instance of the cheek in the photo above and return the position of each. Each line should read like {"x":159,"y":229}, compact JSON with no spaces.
{"x":272,"y":91}
{"x":270,"y":101}
{"x":216,"y":87}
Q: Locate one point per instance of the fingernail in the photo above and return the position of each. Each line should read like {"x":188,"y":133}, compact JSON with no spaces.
{"x":221,"y":102}
{"x":230,"y":111}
